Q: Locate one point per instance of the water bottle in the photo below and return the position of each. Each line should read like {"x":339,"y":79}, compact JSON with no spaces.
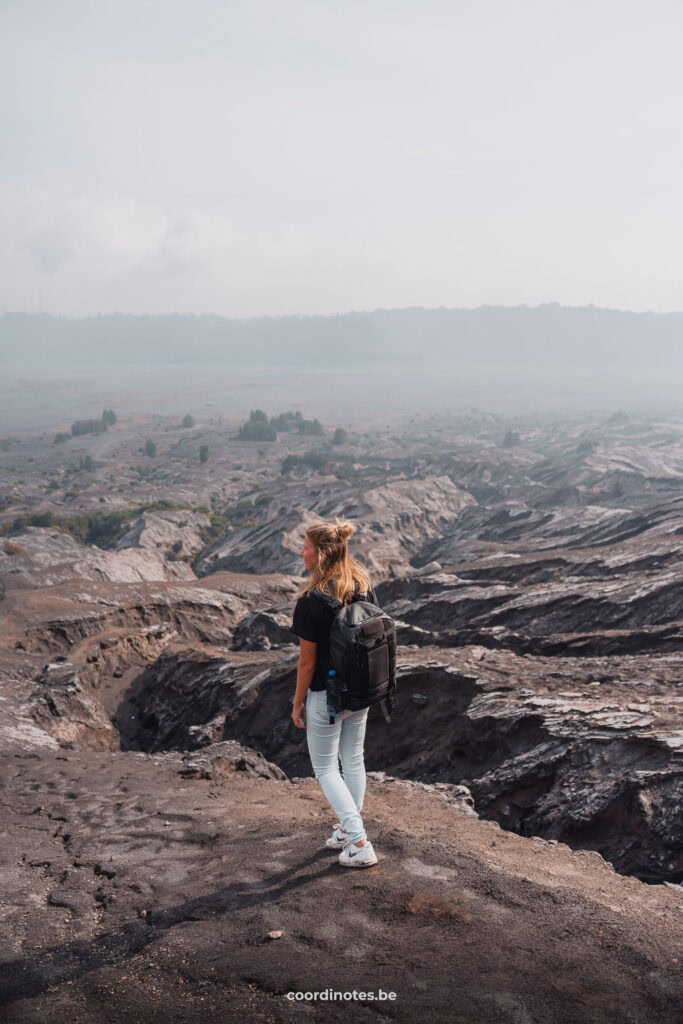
{"x":333,"y":702}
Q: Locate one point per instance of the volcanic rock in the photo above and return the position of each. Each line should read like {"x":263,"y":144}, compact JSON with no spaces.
{"x":173,"y":533}
{"x":392,"y":520}
{"x":46,"y":556}
{"x":590,"y":766}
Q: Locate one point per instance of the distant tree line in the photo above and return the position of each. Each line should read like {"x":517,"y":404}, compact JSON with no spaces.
{"x":259,"y":428}
{"x":501,"y":336}
{"x":93,"y":426}
{"x":88,"y":427}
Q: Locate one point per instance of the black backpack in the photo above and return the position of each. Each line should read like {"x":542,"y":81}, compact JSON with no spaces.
{"x":361,"y":670}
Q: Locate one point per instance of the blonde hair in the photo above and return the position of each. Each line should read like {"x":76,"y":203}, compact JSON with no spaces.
{"x":335,"y":565}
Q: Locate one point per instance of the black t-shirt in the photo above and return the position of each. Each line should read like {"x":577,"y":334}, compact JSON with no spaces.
{"x":313,"y":621}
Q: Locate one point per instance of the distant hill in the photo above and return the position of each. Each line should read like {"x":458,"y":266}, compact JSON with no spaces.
{"x":497,"y":336}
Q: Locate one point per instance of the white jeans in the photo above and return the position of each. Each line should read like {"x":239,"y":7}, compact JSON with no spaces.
{"x":327,"y":745}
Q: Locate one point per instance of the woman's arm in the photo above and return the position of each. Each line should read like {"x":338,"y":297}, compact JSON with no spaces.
{"x":304,"y":677}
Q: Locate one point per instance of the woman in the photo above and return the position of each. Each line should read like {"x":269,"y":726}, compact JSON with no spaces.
{"x":331,"y":568}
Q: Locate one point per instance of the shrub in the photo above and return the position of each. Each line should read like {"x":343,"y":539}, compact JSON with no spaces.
{"x":256,"y":430}
{"x":150,"y":449}
{"x":61,"y":437}
{"x":218,"y":528}
{"x":109,"y":417}
{"x":310,"y":427}
{"x":87,"y":427}
{"x":340,"y":436}
{"x":286,"y":421}
{"x":316,"y":460}
{"x":100,"y":528}
{"x":42,"y":519}
{"x":13,"y":549}
{"x":188,"y":421}
{"x":203,"y":452}
{"x":511,"y":439}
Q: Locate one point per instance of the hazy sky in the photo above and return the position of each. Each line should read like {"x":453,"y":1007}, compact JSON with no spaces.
{"x":255,"y":156}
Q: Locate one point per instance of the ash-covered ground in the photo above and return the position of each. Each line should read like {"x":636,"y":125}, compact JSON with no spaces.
{"x":525,"y":802}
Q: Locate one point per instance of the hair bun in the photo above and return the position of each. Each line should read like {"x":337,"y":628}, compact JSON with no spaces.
{"x":344,"y":531}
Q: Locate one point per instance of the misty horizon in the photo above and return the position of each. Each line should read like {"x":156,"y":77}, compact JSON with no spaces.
{"x":304,"y":314}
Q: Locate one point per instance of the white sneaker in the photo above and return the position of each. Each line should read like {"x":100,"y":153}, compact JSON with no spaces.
{"x":353,"y":856}
{"x":338,"y":839}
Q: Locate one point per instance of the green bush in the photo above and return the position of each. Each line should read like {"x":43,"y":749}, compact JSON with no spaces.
{"x":61,"y":437}
{"x":150,"y":449}
{"x":219,"y":526}
{"x":203,"y":452}
{"x":109,"y":417}
{"x":188,"y":421}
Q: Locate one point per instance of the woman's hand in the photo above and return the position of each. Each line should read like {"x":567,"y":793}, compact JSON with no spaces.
{"x":299,"y":714}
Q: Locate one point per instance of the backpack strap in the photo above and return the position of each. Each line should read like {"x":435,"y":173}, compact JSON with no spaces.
{"x":332,"y":602}
{"x":327,"y":599}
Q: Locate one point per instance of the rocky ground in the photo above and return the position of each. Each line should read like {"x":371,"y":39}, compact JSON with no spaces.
{"x":160,"y":815}
{"x":145,"y":889}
